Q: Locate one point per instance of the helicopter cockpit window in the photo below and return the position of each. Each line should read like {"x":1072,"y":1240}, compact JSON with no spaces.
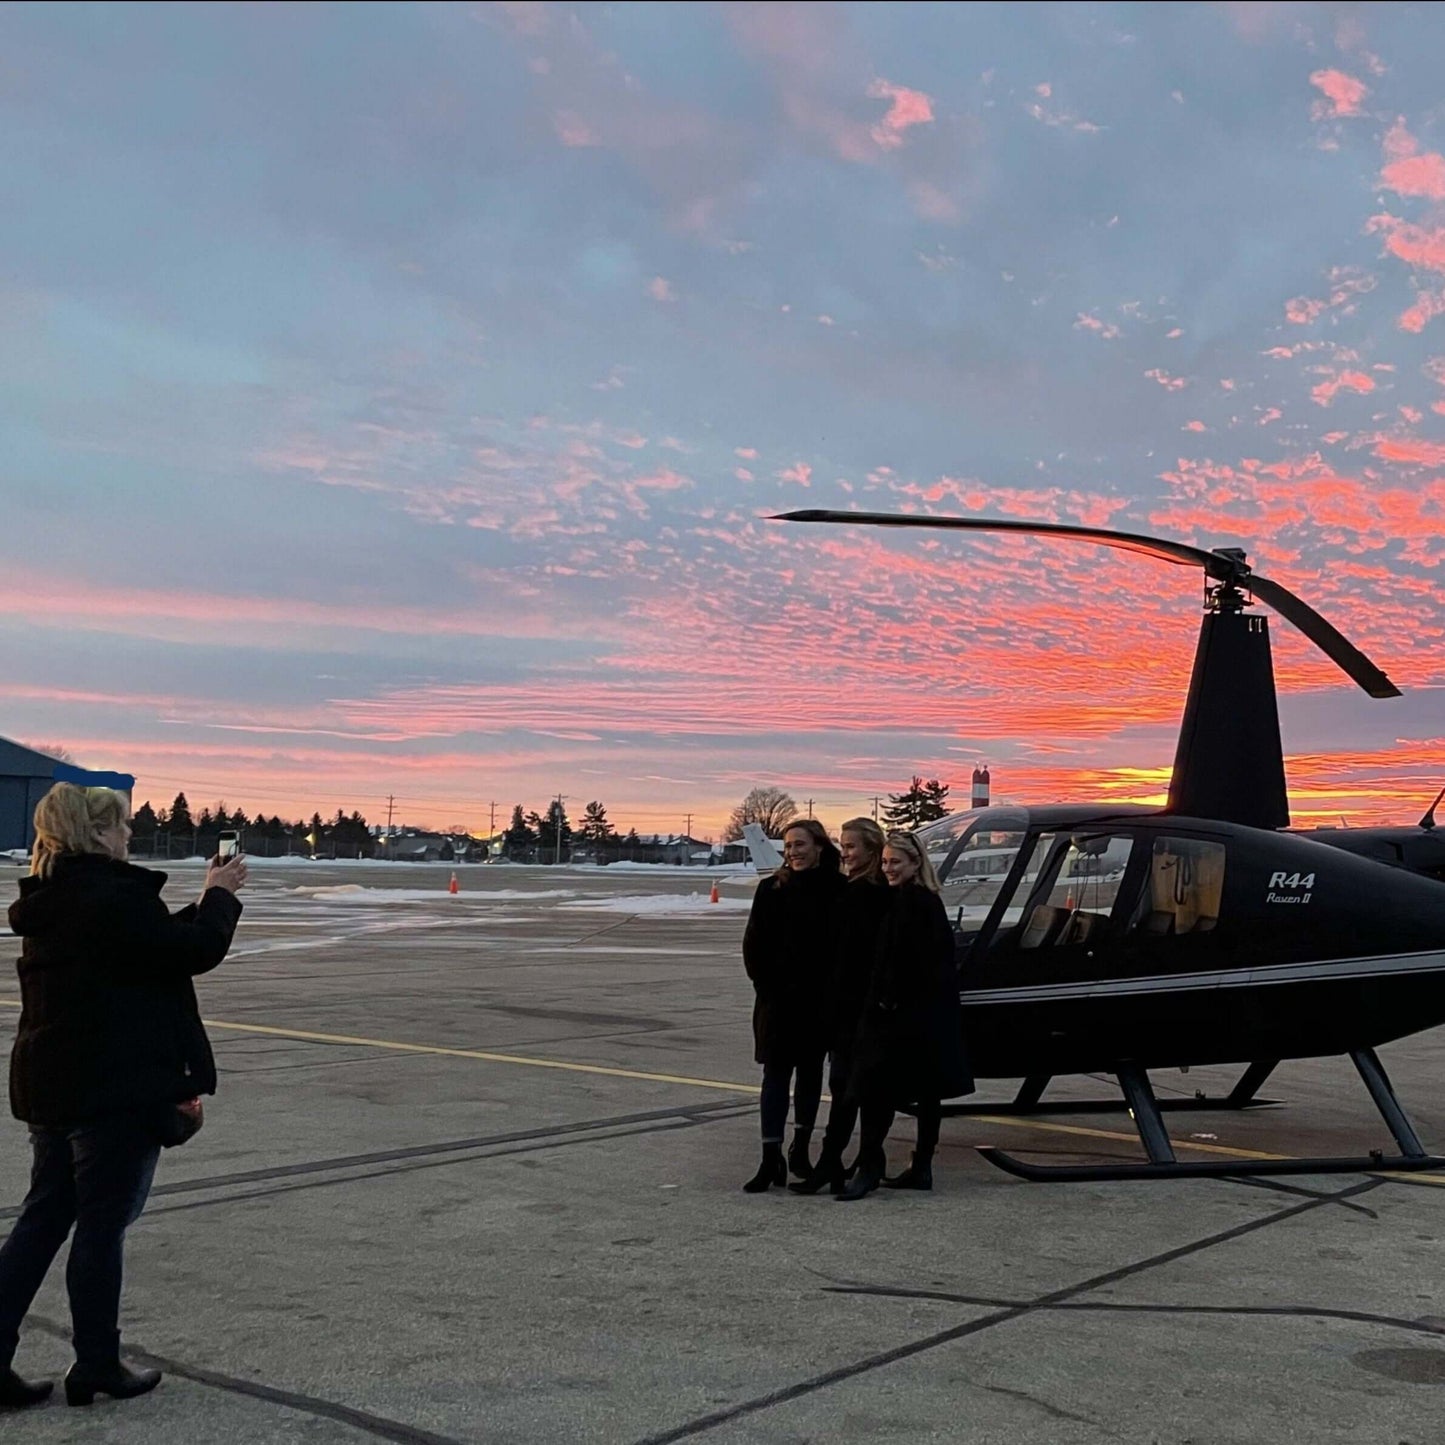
{"x":975,"y":875}
{"x":1083,"y":891}
{"x":1186,"y":884}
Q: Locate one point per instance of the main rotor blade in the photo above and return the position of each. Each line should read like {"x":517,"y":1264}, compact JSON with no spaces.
{"x":1222,"y":567}
{"x":1334,"y":644}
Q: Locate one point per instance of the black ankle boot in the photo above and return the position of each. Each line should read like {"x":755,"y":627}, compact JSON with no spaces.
{"x":798,"y":1153}
{"x":918,"y":1175}
{"x":83,"y":1383}
{"x":773,"y":1170}
{"x":865,"y":1181}
{"x":827,"y":1173}
{"x":18,"y":1394}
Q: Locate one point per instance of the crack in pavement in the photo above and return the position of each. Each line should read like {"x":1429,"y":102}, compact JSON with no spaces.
{"x":1003,"y":1315}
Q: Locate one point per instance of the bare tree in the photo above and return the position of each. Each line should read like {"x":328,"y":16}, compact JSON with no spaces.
{"x":771,"y":807}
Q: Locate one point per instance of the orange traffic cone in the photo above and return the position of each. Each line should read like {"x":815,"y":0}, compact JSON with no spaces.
{"x":452,"y":886}
{"x":712,"y":897}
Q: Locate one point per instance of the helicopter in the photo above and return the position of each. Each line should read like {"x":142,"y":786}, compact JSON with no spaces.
{"x":1119,"y":939}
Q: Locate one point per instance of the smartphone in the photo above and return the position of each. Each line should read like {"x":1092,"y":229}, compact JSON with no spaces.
{"x":230,"y":845}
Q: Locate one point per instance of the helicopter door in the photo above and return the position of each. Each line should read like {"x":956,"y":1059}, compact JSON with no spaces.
{"x":1076,"y":881}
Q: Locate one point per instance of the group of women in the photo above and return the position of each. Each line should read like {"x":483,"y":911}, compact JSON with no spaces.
{"x":852,"y":960}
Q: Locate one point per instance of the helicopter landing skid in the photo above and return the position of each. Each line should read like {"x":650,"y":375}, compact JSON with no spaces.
{"x":1145,"y":1110}
{"x":1027,"y":1100}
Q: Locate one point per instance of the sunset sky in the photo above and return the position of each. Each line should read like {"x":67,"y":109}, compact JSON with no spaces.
{"x":393,"y":395}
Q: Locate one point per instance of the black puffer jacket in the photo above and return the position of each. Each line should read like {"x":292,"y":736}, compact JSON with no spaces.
{"x":109,"y":1021}
{"x":910,"y":1037}
{"x":789,"y":949}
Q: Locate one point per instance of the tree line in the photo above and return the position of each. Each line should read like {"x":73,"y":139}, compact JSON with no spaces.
{"x":544,"y":837}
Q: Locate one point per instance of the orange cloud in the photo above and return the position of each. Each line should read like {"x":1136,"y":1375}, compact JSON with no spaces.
{"x":1427,"y":306}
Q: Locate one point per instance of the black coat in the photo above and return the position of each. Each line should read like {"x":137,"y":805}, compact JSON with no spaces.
{"x":910,"y":1038}
{"x":109,"y":1022}
{"x":789,"y":950}
{"x":865,"y":904}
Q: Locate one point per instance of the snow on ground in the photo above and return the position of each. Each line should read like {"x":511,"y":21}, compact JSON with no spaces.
{"x":359,"y":893}
{"x":655,"y":903}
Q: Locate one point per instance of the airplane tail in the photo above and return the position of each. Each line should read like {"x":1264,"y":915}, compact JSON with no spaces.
{"x":761,"y":849}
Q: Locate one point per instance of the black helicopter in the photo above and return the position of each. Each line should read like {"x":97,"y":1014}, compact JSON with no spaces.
{"x":1119,"y":939}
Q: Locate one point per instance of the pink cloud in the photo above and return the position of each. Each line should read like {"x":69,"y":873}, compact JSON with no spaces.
{"x":1343,"y":92}
{"x":1407,"y":172}
{"x":1193,"y":426}
{"x":799,"y":472}
{"x":1326,"y":391}
{"x":1411,"y":451}
{"x":1302,"y":310}
{"x":748,"y":454}
{"x":1169,"y":383}
{"x":1088,"y":322}
{"x":909,"y":107}
{"x":660,"y":289}
{"x":572,"y":130}
{"x":1428,"y":305}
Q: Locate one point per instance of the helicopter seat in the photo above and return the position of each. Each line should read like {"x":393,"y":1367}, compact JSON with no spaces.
{"x":1079,"y":927}
{"x":1158,"y":923}
{"x":1044,"y":926}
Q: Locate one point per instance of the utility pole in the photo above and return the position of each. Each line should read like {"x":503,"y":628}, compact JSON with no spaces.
{"x":810,"y":807}
{"x":876,"y":801}
{"x":491,"y":828}
{"x":557,"y":829}
{"x":390,"y":800}
{"x":687,"y":831}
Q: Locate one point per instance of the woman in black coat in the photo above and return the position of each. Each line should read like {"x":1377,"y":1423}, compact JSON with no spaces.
{"x":864,"y":905}
{"x":789,"y":947}
{"x":910,"y":1041}
{"x":110,"y":1041}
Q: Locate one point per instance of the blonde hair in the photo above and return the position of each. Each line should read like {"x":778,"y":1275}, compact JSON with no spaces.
{"x":70,"y":819}
{"x":871,"y":836}
{"x":907,"y":843}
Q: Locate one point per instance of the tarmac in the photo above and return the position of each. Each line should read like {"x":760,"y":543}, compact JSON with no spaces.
{"x":473,"y":1174}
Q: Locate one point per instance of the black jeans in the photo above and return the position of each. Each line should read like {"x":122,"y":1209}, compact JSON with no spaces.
{"x":878,"y":1120}
{"x":96,"y":1177}
{"x":807,"y":1093}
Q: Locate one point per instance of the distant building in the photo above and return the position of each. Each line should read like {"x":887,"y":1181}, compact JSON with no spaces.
{"x":25,"y":778}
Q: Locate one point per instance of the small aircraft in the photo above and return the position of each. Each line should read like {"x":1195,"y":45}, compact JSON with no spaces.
{"x":1122,"y":939}
{"x":766,"y":855}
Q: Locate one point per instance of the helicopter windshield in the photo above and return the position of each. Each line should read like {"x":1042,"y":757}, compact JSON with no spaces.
{"x":972,"y":854}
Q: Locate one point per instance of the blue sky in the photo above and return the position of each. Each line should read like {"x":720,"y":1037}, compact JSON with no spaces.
{"x":392,"y":394}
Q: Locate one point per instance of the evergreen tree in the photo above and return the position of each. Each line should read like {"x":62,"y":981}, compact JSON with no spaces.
{"x":143,"y":821}
{"x":519,"y":837}
{"x":595,"y":827}
{"x":180,"y":819}
{"x":922,"y":803}
{"x":553,"y":834}
{"x":205,"y":823}
{"x":223,"y":818}
{"x":239,"y":821}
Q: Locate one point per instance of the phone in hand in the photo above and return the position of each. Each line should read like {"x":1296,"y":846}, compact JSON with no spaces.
{"x":230,"y":845}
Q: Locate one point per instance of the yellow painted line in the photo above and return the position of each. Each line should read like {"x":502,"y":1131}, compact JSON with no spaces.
{"x":568,"y":1067}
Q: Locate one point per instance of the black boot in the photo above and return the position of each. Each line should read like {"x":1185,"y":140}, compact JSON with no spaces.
{"x":18,"y":1394}
{"x":865,"y":1181}
{"x":918,"y":1175}
{"x":827,"y":1173}
{"x":773,"y":1170}
{"x":798,"y":1153}
{"x":84,"y":1382}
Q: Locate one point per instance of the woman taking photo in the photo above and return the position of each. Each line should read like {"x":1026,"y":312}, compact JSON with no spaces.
{"x":864,"y":902}
{"x":110,"y":1041}
{"x":789,"y":948}
{"x":910,"y":1042}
